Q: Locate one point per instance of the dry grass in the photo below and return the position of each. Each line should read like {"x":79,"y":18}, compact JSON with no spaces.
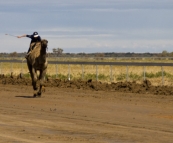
{"x":104,"y":72}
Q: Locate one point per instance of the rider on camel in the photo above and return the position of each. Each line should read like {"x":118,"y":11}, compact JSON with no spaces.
{"x":34,"y":38}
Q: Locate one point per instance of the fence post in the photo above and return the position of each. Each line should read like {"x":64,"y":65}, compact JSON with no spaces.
{"x":144,"y":71}
{"x":1,"y":68}
{"x":110,"y":73}
{"x":11,"y":67}
{"x":162,"y":75}
{"x":69,"y":72}
{"x":96,"y":72}
{"x":56,"y":71}
{"x":127,"y":76}
{"x":82,"y":71}
{"x":22,"y":67}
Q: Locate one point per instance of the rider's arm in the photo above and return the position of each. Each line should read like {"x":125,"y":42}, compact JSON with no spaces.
{"x":21,"y":36}
{"x":29,"y":36}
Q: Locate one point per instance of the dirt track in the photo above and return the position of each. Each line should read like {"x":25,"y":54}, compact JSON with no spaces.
{"x":77,"y":115}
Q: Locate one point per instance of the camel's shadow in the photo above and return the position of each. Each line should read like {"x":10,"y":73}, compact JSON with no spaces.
{"x":25,"y":96}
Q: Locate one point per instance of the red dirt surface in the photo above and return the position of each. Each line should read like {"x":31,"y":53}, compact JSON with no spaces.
{"x":85,"y":112}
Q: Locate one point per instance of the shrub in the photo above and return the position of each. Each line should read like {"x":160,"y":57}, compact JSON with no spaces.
{"x":121,"y":76}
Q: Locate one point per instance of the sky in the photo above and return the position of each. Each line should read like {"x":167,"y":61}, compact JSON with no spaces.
{"x":89,"y":26}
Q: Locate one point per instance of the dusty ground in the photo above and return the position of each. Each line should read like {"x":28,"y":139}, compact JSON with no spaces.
{"x":84,"y":115}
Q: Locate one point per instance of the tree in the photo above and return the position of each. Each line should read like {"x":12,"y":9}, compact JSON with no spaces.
{"x":14,"y":54}
{"x":171,"y":54}
{"x":99,"y":56}
{"x":57,"y":51}
{"x":164,"y":53}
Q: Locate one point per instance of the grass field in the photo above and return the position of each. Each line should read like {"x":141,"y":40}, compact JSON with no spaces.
{"x":104,"y":73}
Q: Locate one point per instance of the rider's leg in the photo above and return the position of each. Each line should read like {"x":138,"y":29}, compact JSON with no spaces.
{"x":27,"y":54}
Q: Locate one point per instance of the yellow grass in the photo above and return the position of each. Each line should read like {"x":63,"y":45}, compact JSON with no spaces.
{"x":76,"y":70}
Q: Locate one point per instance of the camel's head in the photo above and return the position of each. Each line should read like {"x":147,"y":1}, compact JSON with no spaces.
{"x":44,"y":43}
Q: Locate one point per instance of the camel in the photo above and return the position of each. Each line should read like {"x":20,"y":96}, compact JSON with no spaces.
{"x":37,"y":61}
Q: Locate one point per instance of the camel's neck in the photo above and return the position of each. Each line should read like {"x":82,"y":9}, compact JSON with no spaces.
{"x":43,"y":53}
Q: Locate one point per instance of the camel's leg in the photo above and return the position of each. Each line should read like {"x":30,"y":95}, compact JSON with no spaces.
{"x":34,"y":81}
{"x":31,"y":74}
{"x":32,"y":77}
{"x":41,"y":78}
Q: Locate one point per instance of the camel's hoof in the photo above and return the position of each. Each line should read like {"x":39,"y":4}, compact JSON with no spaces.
{"x":39,"y":94}
{"x":35,"y":95}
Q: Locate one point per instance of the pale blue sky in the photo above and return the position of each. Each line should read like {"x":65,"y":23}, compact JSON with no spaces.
{"x":89,"y":25}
